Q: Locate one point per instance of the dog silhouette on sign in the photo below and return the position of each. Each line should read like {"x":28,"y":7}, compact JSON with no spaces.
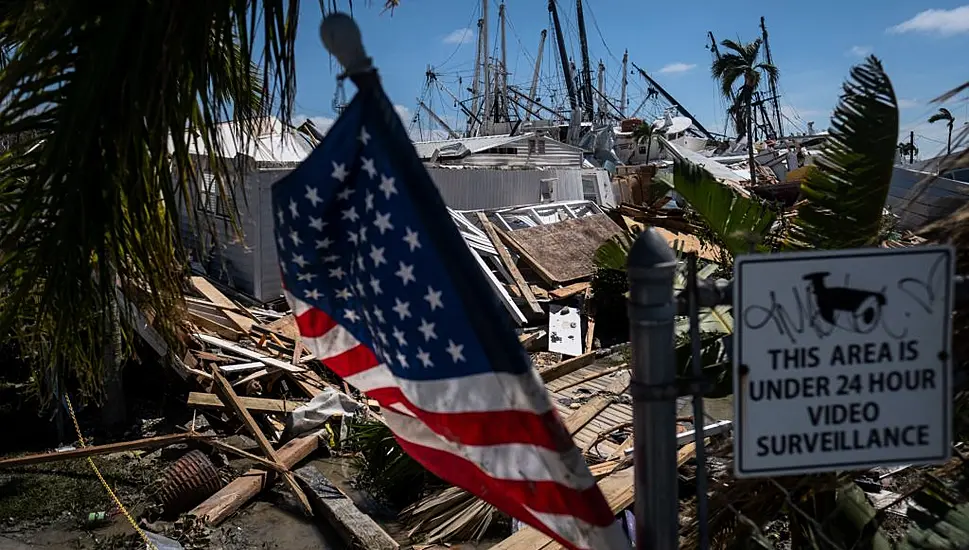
{"x":864,"y":306}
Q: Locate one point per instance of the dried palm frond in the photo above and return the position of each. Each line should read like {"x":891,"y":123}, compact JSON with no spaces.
{"x":450,"y":515}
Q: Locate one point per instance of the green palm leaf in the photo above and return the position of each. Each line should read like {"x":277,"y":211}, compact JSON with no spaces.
{"x":845,"y":197}
{"x":736,"y":220}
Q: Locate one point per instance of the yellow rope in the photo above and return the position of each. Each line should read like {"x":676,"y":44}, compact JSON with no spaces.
{"x":117,"y":501}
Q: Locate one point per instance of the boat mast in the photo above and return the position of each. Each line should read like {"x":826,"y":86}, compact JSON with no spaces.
{"x":625,"y":74}
{"x":538,"y":67}
{"x":673,"y":100}
{"x":586,"y":71}
{"x":504,"y":66}
{"x":602,"y":92}
{"x":563,"y":56}
{"x":476,"y":84}
{"x":486,"y":59}
{"x":451,"y":133}
{"x":771,"y":81}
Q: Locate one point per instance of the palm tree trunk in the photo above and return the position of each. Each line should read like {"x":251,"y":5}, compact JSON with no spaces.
{"x":649,"y":144}
{"x":948,"y":145}
{"x":748,"y":98}
{"x":114,"y":408}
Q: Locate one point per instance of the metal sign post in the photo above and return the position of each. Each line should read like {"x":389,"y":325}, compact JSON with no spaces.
{"x":651,"y":308}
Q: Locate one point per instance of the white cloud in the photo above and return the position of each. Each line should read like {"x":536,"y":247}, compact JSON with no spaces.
{"x":459,"y":36}
{"x":944,"y":22}
{"x":908,"y":103}
{"x":860,"y":51}
{"x":675,"y":68}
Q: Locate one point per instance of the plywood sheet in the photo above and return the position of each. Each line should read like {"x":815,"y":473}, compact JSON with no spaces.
{"x":565,"y":250}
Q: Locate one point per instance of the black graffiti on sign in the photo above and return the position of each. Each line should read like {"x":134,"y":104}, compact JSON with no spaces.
{"x":821,"y":307}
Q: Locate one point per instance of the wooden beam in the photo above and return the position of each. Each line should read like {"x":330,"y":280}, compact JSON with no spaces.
{"x":523,"y":288}
{"x":590,"y":320}
{"x":220,"y":506}
{"x":567,"y":291}
{"x":248,"y":353}
{"x":95,"y":450}
{"x":591,"y":377}
{"x":254,"y":404}
{"x":520,"y":250}
{"x":227,"y":306}
{"x":356,"y":529}
{"x":568,"y":366}
{"x":591,"y":408}
{"x":225,"y":391}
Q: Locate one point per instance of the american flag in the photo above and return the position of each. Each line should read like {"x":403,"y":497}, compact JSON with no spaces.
{"x":387,"y":295}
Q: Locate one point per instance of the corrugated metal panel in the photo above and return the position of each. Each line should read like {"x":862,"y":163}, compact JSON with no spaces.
{"x":271,"y":145}
{"x":476,"y":189}
{"x":270,"y":282}
{"x":916,"y":205}
{"x":450,"y":147}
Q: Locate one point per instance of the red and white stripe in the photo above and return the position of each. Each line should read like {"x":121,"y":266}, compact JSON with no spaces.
{"x":502,"y":441}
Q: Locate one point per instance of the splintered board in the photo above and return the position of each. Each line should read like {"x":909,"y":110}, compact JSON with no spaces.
{"x":564,"y":251}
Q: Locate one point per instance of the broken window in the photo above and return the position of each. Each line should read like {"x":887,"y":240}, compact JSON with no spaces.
{"x":210,"y":199}
{"x":531,"y":146}
{"x":541,"y":147}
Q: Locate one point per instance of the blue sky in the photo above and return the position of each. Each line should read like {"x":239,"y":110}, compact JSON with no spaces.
{"x":922,"y":44}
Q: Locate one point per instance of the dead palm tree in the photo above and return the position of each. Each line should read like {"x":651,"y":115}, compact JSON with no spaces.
{"x":950,"y":120}
{"x":96,"y":94}
{"x":740,"y":64}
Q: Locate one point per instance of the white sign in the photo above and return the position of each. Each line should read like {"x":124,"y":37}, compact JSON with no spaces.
{"x":841,"y":360}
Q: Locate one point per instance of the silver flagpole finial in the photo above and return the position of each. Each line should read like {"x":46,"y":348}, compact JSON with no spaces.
{"x":341,"y":37}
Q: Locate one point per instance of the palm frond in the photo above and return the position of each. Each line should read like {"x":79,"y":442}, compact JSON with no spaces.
{"x":92,"y":194}
{"x":845,"y":196}
{"x":943,"y":114}
{"x":736,"y":220}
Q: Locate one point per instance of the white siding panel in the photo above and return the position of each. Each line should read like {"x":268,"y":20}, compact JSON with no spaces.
{"x":472,"y":189}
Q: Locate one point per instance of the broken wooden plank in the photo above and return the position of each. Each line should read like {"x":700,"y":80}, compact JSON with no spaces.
{"x":356,"y":529}
{"x":228,"y":307}
{"x":566,"y":367}
{"x":590,"y":320}
{"x":254,"y":404}
{"x":95,"y":450}
{"x":248,"y":353}
{"x":241,"y":367}
{"x":619,"y":491}
{"x":567,"y":291}
{"x":214,"y":326}
{"x":593,"y":376}
{"x":511,"y":243}
{"x":584,"y":414}
{"x":228,"y":395}
{"x":220,"y":506}
{"x":523,"y":288}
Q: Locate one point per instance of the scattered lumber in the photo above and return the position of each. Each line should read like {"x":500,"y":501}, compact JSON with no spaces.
{"x":227,"y":306}
{"x":225,"y":391}
{"x":96,"y":450}
{"x":355,"y":528}
{"x":220,"y":506}
{"x":568,"y":291}
{"x":568,"y":366}
{"x":523,"y":287}
{"x":618,"y":489}
{"x":248,"y":353}
{"x":253,"y":404}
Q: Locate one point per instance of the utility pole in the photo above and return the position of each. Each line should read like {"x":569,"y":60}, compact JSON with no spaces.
{"x":586,"y":71}
{"x":538,"y":67}
{"x":504,"y":65}
{"x":625,"y":81}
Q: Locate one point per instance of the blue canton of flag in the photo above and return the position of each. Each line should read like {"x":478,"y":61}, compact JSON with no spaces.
{"x":386,"y":294}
